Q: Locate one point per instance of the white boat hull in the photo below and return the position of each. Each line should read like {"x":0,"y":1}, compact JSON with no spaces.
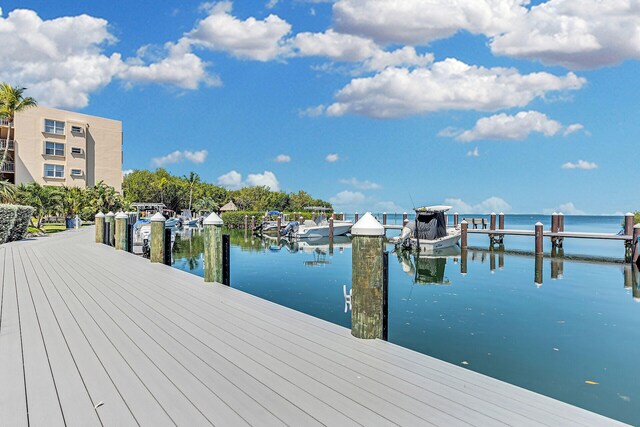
{"x":451,"y":239}
{"x":339,"y":228}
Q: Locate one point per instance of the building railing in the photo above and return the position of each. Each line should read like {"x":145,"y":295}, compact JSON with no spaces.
{"x":5,"y":122}
{"x":8,"y":167}
{"x":3,"y":144}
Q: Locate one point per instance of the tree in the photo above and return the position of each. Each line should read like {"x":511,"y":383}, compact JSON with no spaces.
{"x":8,"y":192}
{"x":12,"y":101}
{"x":206,"y":204}
{"x":193,"y":179}
{"x":45,"y":200}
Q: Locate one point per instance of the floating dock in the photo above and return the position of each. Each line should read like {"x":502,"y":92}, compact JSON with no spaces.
{"x":94,"y":336}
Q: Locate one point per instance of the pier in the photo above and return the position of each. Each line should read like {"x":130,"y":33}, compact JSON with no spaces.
{"x":90,"y":335}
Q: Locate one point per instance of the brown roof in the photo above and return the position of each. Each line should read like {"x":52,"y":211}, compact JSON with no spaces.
{"x":229,"y":207}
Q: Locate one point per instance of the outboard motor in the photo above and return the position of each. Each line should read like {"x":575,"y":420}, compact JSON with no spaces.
{"x":290,"y":228}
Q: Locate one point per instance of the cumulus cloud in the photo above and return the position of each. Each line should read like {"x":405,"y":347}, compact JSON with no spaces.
{"x":347,"y":199}
{"x":473,"y":153}
{"x":124,"y":172}
{"x":178,"y":156}
{"x":356,"y":201}
{"x":282,"y":158}
{"x":360,"y":185}
{"x":260,"y":40}
{"x":232,"y":180}
{"x":445,"y":85}
{"x":332,"y":158}
{"x":566,"y":208}
{"x":580,"y":164}
{"x":512,"y":127}
{"x":492,"y":204}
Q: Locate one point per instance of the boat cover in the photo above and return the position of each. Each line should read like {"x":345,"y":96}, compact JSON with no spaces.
{"x":431,"y":226}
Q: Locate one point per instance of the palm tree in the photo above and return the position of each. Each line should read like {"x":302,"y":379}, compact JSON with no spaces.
{"x":8,"y":192}
{"x":192,"y":179}
{"x":45,"y":200}
{"x":11,"y":102}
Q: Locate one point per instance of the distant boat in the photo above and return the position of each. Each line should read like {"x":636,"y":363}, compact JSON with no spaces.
{"x":432,"y":232}
{"x":319,"y":227}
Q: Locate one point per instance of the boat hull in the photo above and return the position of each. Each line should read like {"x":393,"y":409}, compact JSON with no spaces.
{"x":339,"y":229}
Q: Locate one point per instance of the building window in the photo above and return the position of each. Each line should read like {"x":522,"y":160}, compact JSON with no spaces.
{"x":53,"y":148}
{"x":54,"y":126}
{"x":53,"y":171}
{"x":76,"y":150}
{"x":76,"y":129}
{"x":76,"y":172}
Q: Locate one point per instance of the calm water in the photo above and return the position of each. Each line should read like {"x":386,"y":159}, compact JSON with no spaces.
{"x":581,"y":325}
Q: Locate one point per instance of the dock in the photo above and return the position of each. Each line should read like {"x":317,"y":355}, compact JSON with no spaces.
{"x":94,"y":336}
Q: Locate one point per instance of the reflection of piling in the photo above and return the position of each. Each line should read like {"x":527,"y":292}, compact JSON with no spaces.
{"x":367,"y":314}
{"x":557,"y":263}
{"x":538,"y":274}
{"x":539,"y":233}
{"x":213,"y":248}
{"x":501,"y":259}
{"x":121,"y":231}
{"x":634,"y":282}
{"x":157,"y":238}
{"x":455,"y":219}
{"x":463,"y":261}
{"x":226,"y":259}
{"x":628,"y":275}
{"x":99,"y":227}
{"x":463,"y":234}
{"x":492,"y":261}
{"x":278,"y":224}
{"x":111,"y":220}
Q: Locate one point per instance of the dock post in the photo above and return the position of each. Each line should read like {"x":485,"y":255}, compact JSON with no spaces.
{"x":628,"y":224}
{"x":492,"y":224}
{"x":539,"y":235}
{"x":628,"y":231}
{"x":356,"y":217}
{"x":129,"y":238}
{"x":384,"y":218}
{"x":213,"y":248}
{"x":538,"y":270}
{"x":331,"y":235}
{"x":157,"y":237}
{"x":463,"y":261}
{"x":560,"y":229}
{"x":404,"y":219}
{"x":99,"y":227}
{"x":463,"y":234}
{"x":455,"y":219}
{"x":246,"y":222}
{"x":226,"y":259}
{"x":635,"y":246}
{"x":301,"y":220}
{"x":110,"y":219}
{"x":367,"y":314}
{"x":278,"y":224}
{"x":121,"y":231}
{"x":167,"y":246}
{"x":554,"y":222}
{"x":501,"y":220}
{"x":253,"y":222}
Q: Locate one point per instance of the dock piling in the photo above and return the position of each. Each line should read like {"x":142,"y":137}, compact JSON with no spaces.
{"x":226,"y":259}
{"x":99,"y":227}
{"x":246,"y":222}
{"x":384,"y":218}
{"x":356,"y":217}
{"x":213,"y":248}
{"x":635,"y":245}
{"x":455,"y":219}
{"x":463,"y":234}
{"x":501,"y":220}
{"x":539,"y":233}
{"x":253,"y":222}
{"x":121,"y":231}
{"x":157,"y":238}
{"x":105,"y":233}
{"x":167,"y":246}
{"x":367,"y":278}
{"x":404,"y":219}
{"x":279,"y":224}
{"x":492,"y":223}
{"x":110,"y":219}
{"x":130,"y":237}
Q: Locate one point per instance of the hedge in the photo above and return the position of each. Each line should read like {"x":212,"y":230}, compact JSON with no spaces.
{"x":7,"y":218}
{"x":235,"y":219}
{"x":21,"y":224}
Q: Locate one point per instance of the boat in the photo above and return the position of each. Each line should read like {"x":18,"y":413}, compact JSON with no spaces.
{"x":432,"y":231}
{"x":316,"y":227}
{"x":269,"y":224}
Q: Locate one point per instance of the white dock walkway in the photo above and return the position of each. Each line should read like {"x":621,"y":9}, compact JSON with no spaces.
{"x":93,"y":336}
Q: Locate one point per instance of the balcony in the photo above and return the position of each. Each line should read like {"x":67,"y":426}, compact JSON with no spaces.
{"x":8,"y":167}
{"x":5,"y":122}
{"x":3,"y":144}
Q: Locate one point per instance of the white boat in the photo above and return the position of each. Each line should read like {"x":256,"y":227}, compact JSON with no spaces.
{"x":319,"y":227}
{"x":432,"y":231}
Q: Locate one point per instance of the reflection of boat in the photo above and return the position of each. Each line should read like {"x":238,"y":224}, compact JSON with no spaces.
{"x":428,"y":232}
{"x":319,"y":227}
{"x":427,"y":269}
{"x":322,"y":243}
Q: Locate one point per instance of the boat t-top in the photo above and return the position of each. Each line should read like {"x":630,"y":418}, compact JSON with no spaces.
{"x":429,"y":231}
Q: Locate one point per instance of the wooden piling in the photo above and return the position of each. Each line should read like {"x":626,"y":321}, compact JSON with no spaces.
{"x":561,"y":223}
{"x":129,"y":236}
{"x":110,"y":219}
{"x":246,"y":223}
{"x":253,"y":222}
{"x":121,"y":231}
{"x":501,"y":220}
{"x":157,"y":238}
{"x":356,"y":217}
{"x":384,"y":218}
{"x":538,"y":270}
{"x":331,"y":230}
{"x":463,"y":234}
{"x":367,"y":314}
{"x":455,"y":219}
{"x":404,"y":218}
{"x":492,"y":223}
{"x":554,"y":222}
{"x":635,"y":245}
{"x":539,"y":233}
{"x":99,"y":227}
{"x":628,"y":224}
{"x":213,"y":262}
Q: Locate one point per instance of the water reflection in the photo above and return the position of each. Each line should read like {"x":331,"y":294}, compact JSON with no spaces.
{"x":428,"y":269}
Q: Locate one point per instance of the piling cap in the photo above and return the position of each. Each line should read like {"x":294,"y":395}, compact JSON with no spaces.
{"x":493,"y":213}
{"x":100,"y":215}
{"x":538,"y":224}
{"x":554,"y":214}
{"x":122,"y":215}
{"x":367,"y":226}
{"x":560,"y":213}
{"x":636,"y":226}
{"x":628,"y":214}
{"x":464,"y":221}
{"x":110,"y":214}
{"x":157,"y":217}
{"x":501,"y":213}
{"x":213,"y":219}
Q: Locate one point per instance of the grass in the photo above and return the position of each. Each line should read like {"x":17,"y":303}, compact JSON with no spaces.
{"x":52,"y":228}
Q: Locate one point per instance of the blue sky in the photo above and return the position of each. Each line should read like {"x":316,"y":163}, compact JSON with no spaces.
{"x":486,"y":105}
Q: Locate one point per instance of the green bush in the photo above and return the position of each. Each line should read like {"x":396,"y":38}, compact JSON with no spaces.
{"x":236,"y":219}
{"x":21,"y":224}
{"x":7,"y":218}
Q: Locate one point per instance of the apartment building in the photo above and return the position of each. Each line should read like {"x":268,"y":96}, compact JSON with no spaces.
{"x":57,"y":147}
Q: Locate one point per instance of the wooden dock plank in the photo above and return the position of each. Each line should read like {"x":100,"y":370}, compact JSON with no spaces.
{"x":13,"y":402}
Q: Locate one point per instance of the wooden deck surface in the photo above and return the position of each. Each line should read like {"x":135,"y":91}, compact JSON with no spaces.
{"x":93,"y":336}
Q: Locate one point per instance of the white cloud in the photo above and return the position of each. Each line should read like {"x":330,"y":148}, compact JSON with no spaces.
{"x":312,"y":111}
{"x":332,"y":158}
{"x":232,"y":180}
{"x":360,"y":185}
{"x":356,"y":201}
{"x":580,"y":164}
{"x":445,"y":85}
{"x":260,"y":40}
{"x":473,"y":153}
{"x":387,"y":206}
{"x":492,"y":204}
{"x":347,"y":199}
{"x":566,"y":208}
{"x":514,"y":127}
{"x":283,"y":158}
{"x":124,"y":172}
{"x":271,"y":4}
{"x":572,"y":128}
{"x":178,"y":156}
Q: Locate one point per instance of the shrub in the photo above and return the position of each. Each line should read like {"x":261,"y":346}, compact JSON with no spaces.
{"x":7,"y":218}
{"x":21,"y":224}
